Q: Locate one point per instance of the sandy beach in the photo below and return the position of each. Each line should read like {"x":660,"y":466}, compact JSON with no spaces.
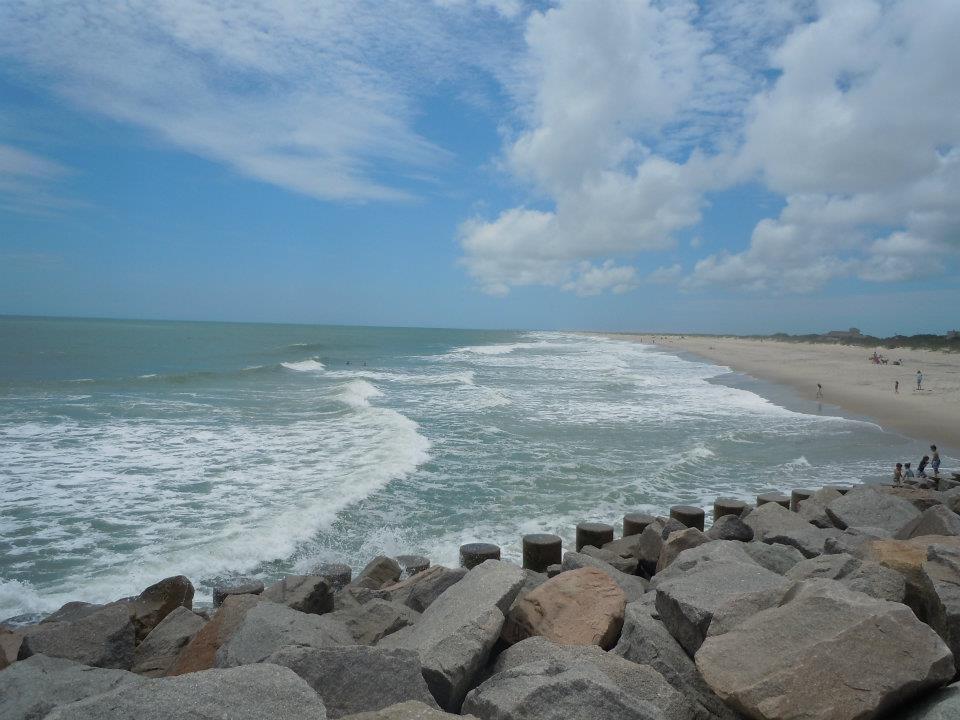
{"x":850,"y":380}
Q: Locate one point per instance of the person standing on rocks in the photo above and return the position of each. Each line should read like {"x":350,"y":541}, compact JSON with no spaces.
{"x":898,"y":473}
{"x":935,"y":461}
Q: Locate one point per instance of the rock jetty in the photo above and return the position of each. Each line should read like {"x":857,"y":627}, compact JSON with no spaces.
{"x":840,"y":603}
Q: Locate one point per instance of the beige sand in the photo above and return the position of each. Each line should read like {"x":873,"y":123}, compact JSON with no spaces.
{"x":850,"y":380}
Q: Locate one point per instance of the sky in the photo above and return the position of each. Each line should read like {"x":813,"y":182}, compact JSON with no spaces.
{"x":741,"y":166}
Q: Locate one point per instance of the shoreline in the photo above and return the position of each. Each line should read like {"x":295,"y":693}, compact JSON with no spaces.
{"x":850,"y":381}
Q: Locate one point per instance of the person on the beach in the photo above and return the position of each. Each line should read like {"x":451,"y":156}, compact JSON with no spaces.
{"x":819,"y":390}
{"x":898,"y":473}
{"x":896,"y":387}
{"x":935,"y":461}
{"x":919,"y":380}
{"x":921,"y":468}
{"x":907,"y":472}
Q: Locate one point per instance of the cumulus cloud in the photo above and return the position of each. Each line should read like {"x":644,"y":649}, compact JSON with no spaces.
{"x":860,"y":133}
{"x":319,"y":98}
{"x":631,"y":112}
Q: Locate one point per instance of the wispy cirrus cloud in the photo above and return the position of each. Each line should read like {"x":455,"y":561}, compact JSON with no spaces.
{"x":27,"y":179}
{"x":319,"y":98}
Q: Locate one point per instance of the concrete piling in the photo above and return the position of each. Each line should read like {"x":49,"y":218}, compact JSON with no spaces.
{"x":541,"y":550}
{"x":472,"y":554}
{"x":689,"y":515}
{"x":727,"y":506}
{"x":636,"y":523}
{"x":593,"y":533}
{"x":773,"y":496}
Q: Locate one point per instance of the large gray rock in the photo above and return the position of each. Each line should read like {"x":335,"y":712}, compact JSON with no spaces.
{"x":944,"y":704}
{"x":455,"y":635}
{"x":357,"y":679}
{"x":531,"y":581}
{"x":268,"y":626}
{"x":814,"y":508}
{"x":378,"y":573}
{"x":71,"y":611}
{"x":31,"y":688}
{"x":873,"y":509}
{"x":420,"y":590}
{"x":633,"y":586}
{"x":239,"y":587}
{"x":827,"y":651}
{"x":646,"y":641}
{"x":730,"y":527}
{"x":625,"y":547}
{"x":688,"y":599}
{"x":102,"y":639}
{"x":254,"y":692}
{"x":940,"y":594}
{"x":937,"y":520}
{"x":640,"y":681}
{"x":372,"y":621}
{"x":852,"y":540}
{"x":625,"y":565}
{"x":409,"y":711}
{"x":775,"y":558}
{"x":774,"y":518}
{"x":155,"y":656}
{"x":864,"y":576}
{"x":649,"y":547}
{"x":677,"y":542}
{"x":555,"y":689}
{"x":715,"y":551}
{"x":810,"y":541}
{"x":306,"y":593}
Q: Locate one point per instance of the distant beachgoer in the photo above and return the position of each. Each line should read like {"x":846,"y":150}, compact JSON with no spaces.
{"x":896,"y":386}
{"x":907,"y":472}
{"x":921,"y":468}
{"x":919,"y":380}
{"x":898,"y":473}
{"x":935,"y":461}
{"x":819,"y":390}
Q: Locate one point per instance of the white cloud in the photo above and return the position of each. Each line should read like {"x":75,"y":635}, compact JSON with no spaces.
{"x":26,"y":179}
{"x":666,"y":275}
{"x":595,"y":279}
{"x":631,"y":111}
{"x":320,"y":98}
{"x":860,"y":133}
{"x":600,"y":82}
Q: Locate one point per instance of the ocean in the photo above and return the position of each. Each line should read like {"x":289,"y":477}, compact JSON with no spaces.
{"x":135,"y":450}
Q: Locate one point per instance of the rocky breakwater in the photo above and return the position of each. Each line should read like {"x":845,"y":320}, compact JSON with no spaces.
{"x":845,"y":607}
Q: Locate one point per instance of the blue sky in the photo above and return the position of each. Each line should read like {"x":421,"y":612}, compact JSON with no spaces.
{"x":736,"y":166}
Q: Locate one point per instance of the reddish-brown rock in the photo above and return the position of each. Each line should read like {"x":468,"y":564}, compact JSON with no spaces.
{"x":201,"y":652}
{"x":577,"y":607}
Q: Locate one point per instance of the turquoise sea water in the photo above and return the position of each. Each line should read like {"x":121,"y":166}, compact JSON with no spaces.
{"x":130,"y":451}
